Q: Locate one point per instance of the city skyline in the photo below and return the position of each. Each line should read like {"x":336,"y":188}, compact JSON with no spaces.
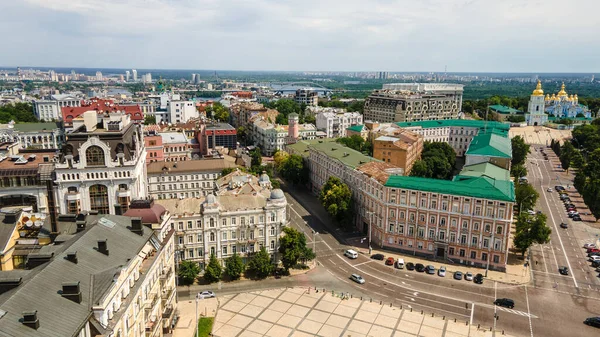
{"x":457,"y":36}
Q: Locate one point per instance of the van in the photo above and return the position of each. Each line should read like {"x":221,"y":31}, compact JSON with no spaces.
{"x":400,"y":263}
{"x":351,"y":254}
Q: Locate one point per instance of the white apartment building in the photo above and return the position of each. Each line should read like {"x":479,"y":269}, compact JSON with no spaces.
{"x":175,"y":146}
{"x":181,"y":111}
{"x":335,"y":123}
{"x":307,"y":96}
{"x":244,"y":215}
{"x":271,"y":137}
{"x":101,"y":168}
{"x":49,"y":135}
{"x":187,"y":179}
{"x":50,"y":110}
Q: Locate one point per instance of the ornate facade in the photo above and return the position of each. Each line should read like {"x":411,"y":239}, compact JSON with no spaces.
{"x":562,"y":105}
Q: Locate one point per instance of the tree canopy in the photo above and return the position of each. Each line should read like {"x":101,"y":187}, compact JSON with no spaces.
{"x":292,"y":247}
{"x":18,"y":112}
{"x":357,"y":143}
{"x":294,"y":170}
{"x":567,"y":152}
{"x":218,"y":112}
{"x":518,"y":171}
{"x":188,"y":271}
{"x":261,"y":264}
{"x":525,"y":196}
{"x":285,"y":107}
{"x":530,"y":230}
{"x":336,"y":198}
{"x":437,"y":161}
{"x":520,"y":150}
{"x":234,"y":266}
{"x":213,"y":271}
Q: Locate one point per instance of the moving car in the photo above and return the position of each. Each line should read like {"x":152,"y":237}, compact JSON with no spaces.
{"x":592,"y":321}
{"x":563,"y":225}
{"x":410,"y":266}
{"x":351,"y":254}
{"x":206,"y":294}
{"x":390,"y":261}
{"x":458,"y":275}
{"x":563,"y":270}
{"x":430,"y":269}
{"x":530,"y":212}
{"x":420,"y":267}
{"x":469,"y":276}
{"x":442,"y":271}
{"x":550,"y":189}
{"x":357,"y":278}
{"x":505,"y":302}
{"x":379,"y":257}
{"x":478,"y":279}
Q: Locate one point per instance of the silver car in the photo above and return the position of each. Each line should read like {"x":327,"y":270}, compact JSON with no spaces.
{"x":357,"y":278}
{"x":469,"y":276}
{"x":206,"y":294}
{"x":442,"y":271}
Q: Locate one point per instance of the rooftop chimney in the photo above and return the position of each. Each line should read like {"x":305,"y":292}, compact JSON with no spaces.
{"x":7,"y":284}
{"x":71,"y":291}
{"x":136,"y":225}
{"x":103,"y":246}
{"x":72,"y":256}
{"x":30,"y":319}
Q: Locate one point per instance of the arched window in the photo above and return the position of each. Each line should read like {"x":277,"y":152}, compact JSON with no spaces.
{"x":99,"y":199}
{"x":94,"y":156}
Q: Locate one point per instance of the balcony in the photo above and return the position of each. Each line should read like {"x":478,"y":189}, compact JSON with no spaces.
{"x":166,"y":274}
{"x":168,"y":312}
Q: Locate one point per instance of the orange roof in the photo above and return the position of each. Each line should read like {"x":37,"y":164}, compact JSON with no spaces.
{"x":377,"y":170}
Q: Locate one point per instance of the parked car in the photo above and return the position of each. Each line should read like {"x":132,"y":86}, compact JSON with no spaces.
{"x":589,"y":245}
{"x":595,"y":264}
{"x":442,"y":271}
{"x":430,"y":269}
{"x":563,"y":270}
{"x":576,"y":218}
{"x":592,"y":249}
{"x":530,"y":212}
{"x":593,"y":254}
{"x":206,"y":294}
{"x":478,"y":279}
{"x":550,"y":189}
{"x":594,"y":258}
{"x":592,"y":321}
{"x":563,"y":225}
{"x":400,"y":263}
{"x":572,"y":214}
{"x":420,"y":267}
{"x":559,"y":188}
{"x":458,"y":275}
{"x":357,"y":278}
{"x":410,"y":266}
{"x":390,"y":261}
{"x":469,"y":276}
{"x":505,"y":302}
{"x":379,"y":257}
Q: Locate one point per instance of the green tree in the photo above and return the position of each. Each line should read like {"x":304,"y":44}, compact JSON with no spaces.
{"x":357,"y":143}
{"x":18,"y":112}
{"x":525,"y":196}
{"x":294,"y":169}
{"x":261,"y":264}
{"x":242,"y":135}
{"x":336,"y":197}
{"x":420,"y":169}
{"x":149,"y":119}
{"x":256,"y":157}
{"x":234,"y":266}
{"x":520,"y":150}
{"x":292,"y":247}
{"x":530,"y":230}
{"x":188,"y":271}
{"x":437,"y":161}
{"x":213,"y":270}
{"x":280,"y":158}
{"x":228,"y":170}
{"x":518,"y":171}
{"x":566,"y":155}
{"x":577,"y":159}
{"x":218,"y":112}
{"x":515,"y":118}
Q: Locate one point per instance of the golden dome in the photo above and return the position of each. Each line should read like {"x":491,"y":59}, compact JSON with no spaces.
{"x":562,"y":91}
{"x":538,"y":89}
{"x":547,"y":97}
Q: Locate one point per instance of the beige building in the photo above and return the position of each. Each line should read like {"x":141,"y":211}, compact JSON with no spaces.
{"x":400,"y":148}
{"x":244,"y":215}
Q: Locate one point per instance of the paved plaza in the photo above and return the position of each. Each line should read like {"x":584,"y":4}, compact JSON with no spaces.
{"x":304,"y":312}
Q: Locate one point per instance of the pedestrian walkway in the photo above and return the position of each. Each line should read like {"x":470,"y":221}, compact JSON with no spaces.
{"x":186,"y":326}
{"x":306,"y":312}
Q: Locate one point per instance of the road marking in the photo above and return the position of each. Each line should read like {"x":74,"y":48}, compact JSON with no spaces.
{"x":472,"y":311}
{"x":516,"y":312}
{"x":495,"y":306}
{"x":544,"y":258}
{"x":559,"y":238}
{"x":555,"y":260}
{"x":528,"y":312}
{"x":360,"y":264}
{"x":344,"y":270}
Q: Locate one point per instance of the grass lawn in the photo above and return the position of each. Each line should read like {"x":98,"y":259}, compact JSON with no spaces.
{"x":205,"y":326}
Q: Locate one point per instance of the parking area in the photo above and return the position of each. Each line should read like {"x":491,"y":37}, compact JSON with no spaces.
{"x":305,"y":312}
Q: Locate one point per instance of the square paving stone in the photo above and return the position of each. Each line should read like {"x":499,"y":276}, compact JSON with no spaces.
{"x":337,"y":321}
{"x":359,"y":327}
{"x":330,"y":331}
{"x":270,"y":315}
{"x":224,"y":316}
{"x":248,"y":333}
{"x":234,"y":306}
{"x":380,"y":331}
{"x":307,"y":301}
{"x":326,"y":306}
{"x":343,"y":310}
{"x":261,"y":301}
{"x":371,"y":307}
{"x":278,"y":331}
{"x":436,"y":322}
{"x":427,"y":331}
{"x":289,"y":321}
{"x":298,"y":310}
{"x":289,"y":296}
{"x":386,"y":321}
{"x":301,"y":334}
{"x":414,"y":316}
{"x":318,"y":316}
{"x":398,"y":333}
{"x":260,"y":327}
{"x":240,"y":321}
{"x":251,"y":310}
{"x":390,"y":311}
{"x":245,"y":297}
{"x":309,"y":326}
{"x":366,"y":316}
{"x":280,"y":306}
{"x":408,"y":326}
{"x":228,"y":331}
{"x":272,"y":293}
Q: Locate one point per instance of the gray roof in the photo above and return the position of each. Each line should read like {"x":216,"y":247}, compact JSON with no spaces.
{"x":59,"y":316}
{"x":7,"y":227}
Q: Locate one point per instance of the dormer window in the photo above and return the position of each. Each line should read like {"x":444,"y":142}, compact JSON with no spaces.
{"x":94,"y":155}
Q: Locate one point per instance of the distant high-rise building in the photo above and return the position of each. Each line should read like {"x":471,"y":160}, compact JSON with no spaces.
{"x":307,"y":96}
{"x":193,"y":78}
{"x":73,"y":75}
{"x":127,"y":75}
{"x":99,"y":76}
{"x":197,"y":79}
{"x":383,"y":75}
{"x":147,"y":78}
{"x":134,"y":72}
{"x":121,"y":78}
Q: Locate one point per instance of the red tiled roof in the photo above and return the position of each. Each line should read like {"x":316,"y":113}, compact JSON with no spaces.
{"x":101,"y":106}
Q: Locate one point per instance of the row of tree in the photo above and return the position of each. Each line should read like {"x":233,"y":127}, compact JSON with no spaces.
{"x":437,"y":161}
{"x":285,"y":107}
{"x":18,"y":112}
{"x":292,"y":168}
{"x":336,"y":198}
{"x":354,"y":106}
{"x":292,"y":249}
{"x":217,"y":111}
{"x":520,"y":150}
{"x":357,"y":143}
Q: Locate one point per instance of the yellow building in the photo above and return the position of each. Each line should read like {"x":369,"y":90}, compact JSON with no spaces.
{"x":400,"y":148}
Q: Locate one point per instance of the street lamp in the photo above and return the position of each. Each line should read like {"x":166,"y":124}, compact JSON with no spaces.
{"x":197,"y":332}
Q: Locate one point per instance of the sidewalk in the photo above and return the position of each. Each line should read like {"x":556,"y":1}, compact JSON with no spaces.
{"x":186,"y":326}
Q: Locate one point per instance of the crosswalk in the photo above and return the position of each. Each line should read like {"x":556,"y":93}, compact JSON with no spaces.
{"x":516,"y":312}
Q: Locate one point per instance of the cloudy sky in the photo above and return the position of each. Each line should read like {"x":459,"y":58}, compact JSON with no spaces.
{"x":328,"y":35}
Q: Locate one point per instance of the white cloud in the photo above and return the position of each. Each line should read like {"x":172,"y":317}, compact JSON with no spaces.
{"x":403,"y":35}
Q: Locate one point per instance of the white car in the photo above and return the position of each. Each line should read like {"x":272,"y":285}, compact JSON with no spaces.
{"x":206,"y":294}
{"x":530,"y":212}
{"x":595,"y":258}
{"x":442,"y":271}
{"x":589,"y":245}
{"x":357,"y":278}
{"x":469,"y":276}
{"x":549,"y":189}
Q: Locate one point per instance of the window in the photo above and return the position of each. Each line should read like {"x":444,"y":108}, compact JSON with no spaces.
{"x":451,"y":251}
{"x":484,"y":256}
{"x":432,"y":220}
{"x":233,"y":221}
{"x":421,"y":232}
{"x":99,"y":199}
{"x":463,"y":239}
{"x":476,"y":226}
{"x":474,"y":241}
{"x":419,"y":244}
{"x":401,"y":229}
{"x":190,"y":253}
{"x":224,"y":222}
{"x":224,"y":235}
{"x":431,"y":234}
{"x":73,"y":206}
{"x":443,"y":221}
{"x":465,"y":224}
{"x":212,"y":237}
{"x":272,"y":230}
{"x":391,"y":227}
{"x":501,"y":213}
{"x":224,"y":250}
{"x":94,"y":155}
{"x":261,"y":233}
{"x":499,"y":230}
{"x":180,"y":240}
{"x":212,"y":222}
{"x":496,"y":259}
{"x":199,"y":238}
{"x":473,"y":255}
{"x":402,"y":215}
{"x":442,"y":235}
{"x":422,"y":218}
{"x":272,"y":245}
{"x":233,"y":249}
{"x":189,"y":225}
{"x":487,"y":228}
{"x":233,"y":234}
{"x":461,"y":253}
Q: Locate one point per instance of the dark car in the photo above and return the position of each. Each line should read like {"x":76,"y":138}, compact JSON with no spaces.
{"x":505,"y":302}
{"x":593,"y":254}
{"x":458,"y":275}
{"x":563,"y":225}
{"x":559,"y":188}
{"x":595,"y":264}
{"x":420,"y":267}
{"x":430,"y":269}
{"x":377,"y":257}
{"x":563,"y":270}
{"x":576,"y":218}
{"x":410,"y":266}
{"x":390,"y":261}
{"x":593,"y":321}
{"x":478,"y":279}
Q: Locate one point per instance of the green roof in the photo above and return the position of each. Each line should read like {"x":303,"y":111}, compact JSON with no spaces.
{"x":503,"y":109}
{"x":346,"y":155}
{"x":30,"y":127}
{"x":301,"y":147}
{"x":484,"y":169}
{"x":469,"y":123}
{"x":476,"y":187}
{"x":356,"y":128}
{"x":490,"y":144}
